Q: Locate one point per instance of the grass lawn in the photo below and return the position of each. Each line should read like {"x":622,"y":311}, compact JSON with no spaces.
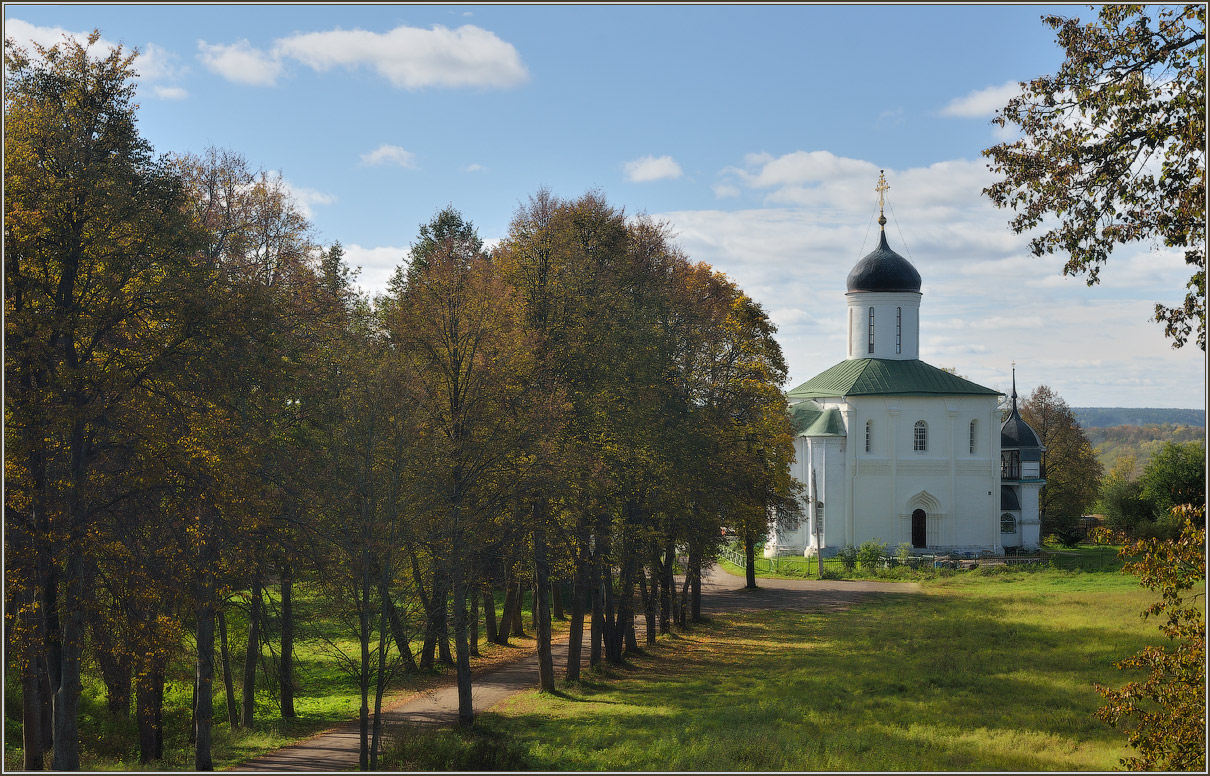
{"x":984,"y":671}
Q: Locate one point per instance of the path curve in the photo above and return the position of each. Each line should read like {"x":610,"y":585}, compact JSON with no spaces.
{"x":337,"y":749}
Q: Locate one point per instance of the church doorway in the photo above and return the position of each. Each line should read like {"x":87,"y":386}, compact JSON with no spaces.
{"x":919,"y":533}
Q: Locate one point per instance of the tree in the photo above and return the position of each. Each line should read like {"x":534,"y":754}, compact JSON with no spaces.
{"x":466,"y":368}
{"x":100,"y":290}
{"x":1069,"y":463}
{"x":1175,"y":475}
{"x":1168,"y":708}
{"x":1122,"y":500}
{"x":1113,"y":147}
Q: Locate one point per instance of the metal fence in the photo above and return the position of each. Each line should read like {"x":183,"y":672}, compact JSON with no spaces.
{"x":1083,"y":558}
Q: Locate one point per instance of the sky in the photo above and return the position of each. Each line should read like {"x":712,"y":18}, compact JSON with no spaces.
{"x":757,"y":132}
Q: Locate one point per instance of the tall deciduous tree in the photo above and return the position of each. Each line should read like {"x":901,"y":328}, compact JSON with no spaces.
{"x":98,"y":278}
{"x":1113,"y":147}
{"x":467,"y":369}
{"x":1069,"y":464}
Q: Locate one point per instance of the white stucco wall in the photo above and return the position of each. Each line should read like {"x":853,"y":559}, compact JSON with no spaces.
{"x":871,"y":495}
{"x":893,"y":310}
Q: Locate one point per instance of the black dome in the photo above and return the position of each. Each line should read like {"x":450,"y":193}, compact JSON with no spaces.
{"x":884,"y":270}
{"x":1016,"y":433}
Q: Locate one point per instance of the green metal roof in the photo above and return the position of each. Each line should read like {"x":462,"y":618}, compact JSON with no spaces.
{"x":810,"y":419}
{"x":887,"y":377}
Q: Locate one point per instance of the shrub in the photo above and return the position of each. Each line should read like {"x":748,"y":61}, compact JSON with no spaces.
{"x":848,"y":557}
{"x":871,"y":554}
{"x":904,"y":553}
{"x":452,"y":749}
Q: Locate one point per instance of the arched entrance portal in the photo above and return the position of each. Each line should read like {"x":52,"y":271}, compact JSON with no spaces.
{"x":919,"y":529}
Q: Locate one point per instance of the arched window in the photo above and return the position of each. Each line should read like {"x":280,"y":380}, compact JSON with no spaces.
{"x":869,"y":435}
{"x":920,"y":437}
{"x":871,"y":345}
{"x":1008,"y":524}
{"x":898,"y":329}
{"x":973,"y":435}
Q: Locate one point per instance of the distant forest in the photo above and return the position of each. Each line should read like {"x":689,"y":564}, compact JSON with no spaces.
{"x":1099,"y":417}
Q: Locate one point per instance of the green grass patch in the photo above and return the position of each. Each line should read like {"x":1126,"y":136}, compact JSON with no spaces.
{"x":982,"y":672}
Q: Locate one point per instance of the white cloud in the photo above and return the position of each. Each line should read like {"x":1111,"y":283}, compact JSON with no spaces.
{"x":170,"y":92}
{"x":986,"y":300}
{"x":240,"y":62}
{"x":652,"y":168}
{"x":304,"y":197}
{"x":25,"y":34}
{"x":474,"y":168}
{"x":411,"y":57}
{"x":156,"y":63}
{"x":389,"y":154}
{"x":377,"y":265}
{"x":153,"y":65}
{"x":725,"y":190}
{"x":982,"y":102}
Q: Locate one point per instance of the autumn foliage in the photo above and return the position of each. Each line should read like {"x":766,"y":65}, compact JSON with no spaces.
{"x":1164,"y":714}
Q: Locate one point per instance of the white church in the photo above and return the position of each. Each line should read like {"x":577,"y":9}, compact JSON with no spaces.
{"x":893,"y":449}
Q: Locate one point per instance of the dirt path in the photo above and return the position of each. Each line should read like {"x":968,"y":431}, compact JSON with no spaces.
{"x":337,"y":749}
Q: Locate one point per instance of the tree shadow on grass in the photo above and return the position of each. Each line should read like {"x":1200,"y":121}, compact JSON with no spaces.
{"x":905,"y":682}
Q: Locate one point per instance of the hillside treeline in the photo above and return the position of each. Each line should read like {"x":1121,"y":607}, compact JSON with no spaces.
{"x":1114,"y":444}
{"x":202,"y":410}
{"x":1096,"y":417}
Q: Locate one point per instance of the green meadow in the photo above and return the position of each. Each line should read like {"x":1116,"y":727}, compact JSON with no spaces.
{"x":986,"y":671}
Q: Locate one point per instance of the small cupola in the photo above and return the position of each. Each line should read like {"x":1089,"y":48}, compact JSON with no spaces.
{"x":1020,"y":450}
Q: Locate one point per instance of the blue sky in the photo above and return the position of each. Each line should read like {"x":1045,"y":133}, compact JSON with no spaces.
{"x":757,"y":132}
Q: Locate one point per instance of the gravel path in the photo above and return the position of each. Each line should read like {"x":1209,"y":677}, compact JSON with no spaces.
{"x":337,"y":749}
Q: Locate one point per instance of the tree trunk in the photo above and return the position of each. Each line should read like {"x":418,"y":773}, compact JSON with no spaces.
{"x":518,"y":607}
{"x":149,"y":692}
{"x":66,"y":752}
{"x":31,"y":711}
{"x":46,"y":700}
{"x":398,"y":633}
{"x":506,"y":614}
{"x":380,"y":685}
{"x":252,"y":655}
{"x":474,"y":623}
{"x":624,"y":628}
{"x":225,"y":657}
{"x":363,"y":633}
{"x":575,"y":631}
{"x":556,"y":599}
{"x":648,"y":599}
{"x":52,"y":662}
{"x":695,"y":570}
{"x":489,"y":615}
{"x":596,"y":621}
{"x":668,"y":587}
{"x":115,"y":669}
{"x":436,"y":634}
{"x":191,"y":738}
{"x":466,"y":709}
{"x":204,"y":713}
{"x":750,"y":558}
{"x":286,"y":659}
{"x":546,"y":666}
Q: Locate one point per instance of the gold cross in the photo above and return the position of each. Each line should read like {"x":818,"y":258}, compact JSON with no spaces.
{"x":881,"y":189}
